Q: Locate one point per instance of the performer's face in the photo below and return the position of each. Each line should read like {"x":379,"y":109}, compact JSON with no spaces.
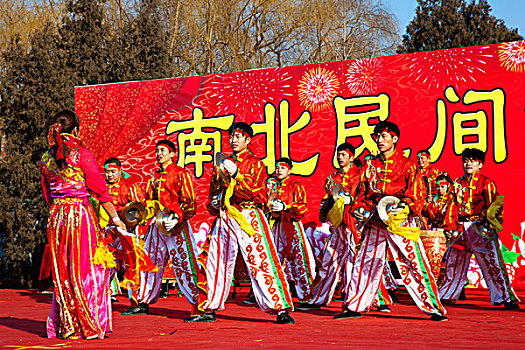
{"x":112,"y":175}
{"x":239,"y":142}
{"x":163,"y":155}
{"x":443,"y":188}
{"x":385,"y":141}
{"x":423,"y":160}
{"x":471,"y":166}
{"x":344,"y":159}
{"x":282,"y":171}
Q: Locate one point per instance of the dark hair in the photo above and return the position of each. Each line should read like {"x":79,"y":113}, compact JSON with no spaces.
{"x":473,"y":153}
{"x":387,"y":126}
{"x":285,"y":160}
{"x":346,"y":147}
{"x":425,"y":152}
{"x":167,"y":143}
{"x":67,"y":120}
{"x":113,"y":160}
{"x":245,"y":128}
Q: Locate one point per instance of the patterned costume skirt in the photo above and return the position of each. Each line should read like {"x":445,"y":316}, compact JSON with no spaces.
{"x":81,"y":306}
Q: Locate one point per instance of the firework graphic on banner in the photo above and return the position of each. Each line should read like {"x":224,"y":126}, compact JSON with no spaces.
{"x":245,"y":93}
{"x":449,"y":67}
{"x":512,"y":56}
{"x":364,"y":76}
{"x":317,"y":88}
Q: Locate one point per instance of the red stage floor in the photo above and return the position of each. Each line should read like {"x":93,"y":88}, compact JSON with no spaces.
{"x":473,"y":324}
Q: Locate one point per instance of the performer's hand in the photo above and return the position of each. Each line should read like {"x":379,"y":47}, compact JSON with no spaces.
{"x":429,"y":199}
{"x":230,"y":167}
{"x":120,"y":224}
{"x":396,"y":209}
{"x":347,"y":197}
{"x":171,"y":221}
{"x":277,"y":205}
{"x":215,"y":202}
{"x":359,"y":214}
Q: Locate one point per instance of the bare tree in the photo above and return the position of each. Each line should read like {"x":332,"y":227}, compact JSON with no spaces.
{"x":210,"y":36}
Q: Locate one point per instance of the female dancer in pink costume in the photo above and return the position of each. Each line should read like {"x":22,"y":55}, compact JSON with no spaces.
{"x":81,"y":307}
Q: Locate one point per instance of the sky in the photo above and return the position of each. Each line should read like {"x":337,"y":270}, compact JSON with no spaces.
{"x":510,"y":11}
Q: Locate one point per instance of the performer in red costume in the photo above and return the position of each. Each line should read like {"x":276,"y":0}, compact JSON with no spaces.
{"x":475,"y":193}
{"x":390,"y":174}
{"x":337,"y":256}
{"x":128,"y":246}
{"x":237,"y":201}
{"x":442,"y":210}
{"x":121,"y":189}
{"x":287,"y":205}
{"x":428,"y":174}
{"x":81,"y":306}
{"x":170,"y":188}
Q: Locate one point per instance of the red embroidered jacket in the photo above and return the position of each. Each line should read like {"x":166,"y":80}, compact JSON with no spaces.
{"x":396,"y":176}
{"x":173,"y":188}
{"x":474,"y":197}
{"x":123,"y":192}
{"x":293,"y":195}
{"x":428,"y":175}
{"x":442,"y":212}
{"x":250,"y":189}
{"x":350,"y":181}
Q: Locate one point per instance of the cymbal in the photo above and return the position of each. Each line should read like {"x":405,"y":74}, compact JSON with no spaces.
{"x":161,"y":215}
{"x":132,"y":213}
{"x":384,"y":206}
{"x":219,"y":163}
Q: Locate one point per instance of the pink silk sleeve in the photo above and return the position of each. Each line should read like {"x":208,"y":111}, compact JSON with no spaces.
{"x":94,"y":180}
{"x":46,"y":191}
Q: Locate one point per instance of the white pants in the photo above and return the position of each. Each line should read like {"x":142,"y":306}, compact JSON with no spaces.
{"x":302,"y":263}
{"x":490,"y":260}
{"x":336,"y":260}
{"x":182,"y":250}
{"x":258,"y":251}
{"x":411,"y":262}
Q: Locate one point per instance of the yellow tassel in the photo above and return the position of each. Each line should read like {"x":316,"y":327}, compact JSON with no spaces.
{"x":492,"y":211}
{"x":103,"y":256}
{"x":394,"y":222}
{"x":103,"y":217}
{"x":234,"y":213}
{"x":335,"y":215}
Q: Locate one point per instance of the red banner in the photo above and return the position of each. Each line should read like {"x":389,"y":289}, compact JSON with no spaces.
{"x":443,"y":101}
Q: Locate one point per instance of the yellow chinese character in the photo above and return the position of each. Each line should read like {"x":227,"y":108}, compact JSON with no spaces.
{"x":305,"y":167}
{"x":356,"y":124}
{"x":471,"y":129}
{"x":198,"y":147}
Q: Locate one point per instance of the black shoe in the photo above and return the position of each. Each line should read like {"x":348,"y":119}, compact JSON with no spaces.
{"x":338,"y":298}
{"x":383,"y":308}
{"x":347,"y":314}
{"x":511,"y":305}
{"x":209,"y":317}
{"x":141,"y":309}
{"x":307,"y":306}
{"x":438,"y":317}
{"x":285,"y":318}
{"x":114,"y":299}
{"x":447,"y":302}
{"x":250,"y":301}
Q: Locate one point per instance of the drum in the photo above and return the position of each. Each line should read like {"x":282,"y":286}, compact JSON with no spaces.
{"x":435,"y":245}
